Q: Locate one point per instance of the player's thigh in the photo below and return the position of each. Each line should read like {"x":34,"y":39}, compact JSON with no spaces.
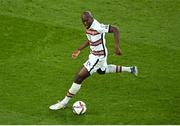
{"x":91,"y":65}
{"x":102,"y":64}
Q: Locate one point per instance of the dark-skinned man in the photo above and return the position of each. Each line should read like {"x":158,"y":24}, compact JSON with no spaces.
{"x":97,"y":61}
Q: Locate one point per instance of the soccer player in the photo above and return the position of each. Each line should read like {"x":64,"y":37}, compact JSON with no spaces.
{"x":97,"y":61}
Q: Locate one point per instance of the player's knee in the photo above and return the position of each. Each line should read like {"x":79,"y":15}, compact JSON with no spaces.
{"x":79,"y":79}
{"x":99,"y":71}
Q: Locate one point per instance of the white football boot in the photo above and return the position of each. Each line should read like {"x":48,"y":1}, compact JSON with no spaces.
{"x":57,"y":106}
{"x":134,"y":70}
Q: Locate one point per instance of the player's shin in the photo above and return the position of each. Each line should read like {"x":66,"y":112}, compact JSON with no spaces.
{"x":123,"y":69}
{"x":127,"y":69}
{"x":111,"y":68}
{"x":72,"y":91}
{"x":117,"y":69}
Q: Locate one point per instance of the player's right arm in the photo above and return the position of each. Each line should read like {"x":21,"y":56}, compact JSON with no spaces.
{"x":76,"y":53}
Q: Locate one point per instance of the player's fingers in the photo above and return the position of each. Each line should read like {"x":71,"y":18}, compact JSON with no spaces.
{"x":74,"y":55}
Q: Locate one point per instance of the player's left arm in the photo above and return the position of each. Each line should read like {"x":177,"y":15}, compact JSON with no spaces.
{"x":76,"y":53}
{"x":115,"y":31}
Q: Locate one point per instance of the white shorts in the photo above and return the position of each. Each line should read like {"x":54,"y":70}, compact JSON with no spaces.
{"x":94,"y":63}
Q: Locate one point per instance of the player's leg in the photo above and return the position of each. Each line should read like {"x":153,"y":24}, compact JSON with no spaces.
{"x":111,"y":68}
{"x":82,"y":75}
{"x":118,"y":69}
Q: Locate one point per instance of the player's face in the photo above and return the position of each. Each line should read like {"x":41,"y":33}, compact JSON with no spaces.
{"x":87,"y":22}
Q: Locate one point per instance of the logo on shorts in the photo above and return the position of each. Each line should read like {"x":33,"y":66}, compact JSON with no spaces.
{"x":88,"y":63}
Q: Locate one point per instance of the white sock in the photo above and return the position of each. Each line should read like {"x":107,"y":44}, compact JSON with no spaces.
{"x":111,"y":68}
{"x":116,"y":69}
{"x":127,"y":69}
{"x":72,"y":91}
{"x":65,"y":100}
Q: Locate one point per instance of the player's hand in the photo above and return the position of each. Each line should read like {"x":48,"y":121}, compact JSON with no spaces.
{"x":118,"y":51}
{"x":75,"y":54}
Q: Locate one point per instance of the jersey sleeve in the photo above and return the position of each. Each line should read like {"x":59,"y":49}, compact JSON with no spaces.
{"x":103,"y":28}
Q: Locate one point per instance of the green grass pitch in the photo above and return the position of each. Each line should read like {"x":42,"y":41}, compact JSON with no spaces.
{"x":37,"y":38}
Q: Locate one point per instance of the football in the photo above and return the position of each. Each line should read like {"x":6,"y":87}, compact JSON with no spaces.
{"x":79,"y":107}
